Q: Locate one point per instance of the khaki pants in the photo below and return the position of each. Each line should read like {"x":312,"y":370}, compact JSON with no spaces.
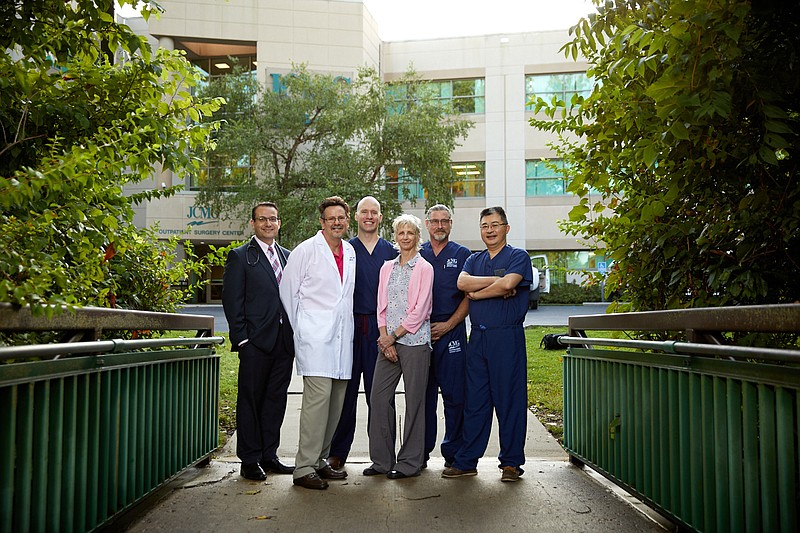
{"x":322,"y":406}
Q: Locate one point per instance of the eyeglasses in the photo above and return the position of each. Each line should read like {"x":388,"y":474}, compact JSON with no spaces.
{"x":267,"y":219}
{"x":493,"y":225}
{"x":331,"y":220}
{"x":442,"y":222}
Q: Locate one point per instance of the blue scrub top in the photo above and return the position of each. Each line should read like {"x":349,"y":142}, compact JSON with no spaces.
{"x":501,"y":311}
{"x":446,"y":268}
{"x":368,"y":268}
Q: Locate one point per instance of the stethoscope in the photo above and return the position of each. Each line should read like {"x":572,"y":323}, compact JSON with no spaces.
{"x":254,"y":247}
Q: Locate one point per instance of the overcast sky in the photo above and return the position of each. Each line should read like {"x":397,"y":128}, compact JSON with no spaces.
{"x":400,"y":20}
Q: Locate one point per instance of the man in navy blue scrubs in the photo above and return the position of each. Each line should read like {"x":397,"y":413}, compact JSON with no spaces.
{"x":496,"y":281}
{"x":448,"y":331}
{"x":371,"y":252}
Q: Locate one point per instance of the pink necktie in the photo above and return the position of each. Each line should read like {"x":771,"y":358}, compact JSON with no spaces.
{"x":276,"y":265}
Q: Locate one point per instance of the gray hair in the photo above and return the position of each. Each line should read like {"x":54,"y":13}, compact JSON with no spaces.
{"x":439,"y":207}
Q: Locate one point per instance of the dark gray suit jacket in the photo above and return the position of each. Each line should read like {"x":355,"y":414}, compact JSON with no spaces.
{"x":251,"y":299}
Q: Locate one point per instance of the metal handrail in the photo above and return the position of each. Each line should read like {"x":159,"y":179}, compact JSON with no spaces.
{"x":690,"y":348}
{"x":88,"y":323}
{"x":107,"y":346}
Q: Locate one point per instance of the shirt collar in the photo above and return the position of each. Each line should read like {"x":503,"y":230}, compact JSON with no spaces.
{"x":411,"y":262}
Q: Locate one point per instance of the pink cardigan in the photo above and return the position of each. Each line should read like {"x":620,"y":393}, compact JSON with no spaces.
{"x":420,"y":294}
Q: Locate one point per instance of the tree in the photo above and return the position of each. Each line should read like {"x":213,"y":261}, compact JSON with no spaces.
{"x":75,"y":128}
{"x":690,"y":137}
{"x":322,"y":135}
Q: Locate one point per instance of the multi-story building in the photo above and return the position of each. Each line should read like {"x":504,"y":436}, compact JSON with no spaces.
{"x":489,"y":77}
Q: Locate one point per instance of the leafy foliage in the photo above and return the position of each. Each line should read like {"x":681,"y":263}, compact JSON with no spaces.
{"x":571,"y":293}
{"x":690,"y":136}
{"x":321,"y":136}
{"x":75,"y":129}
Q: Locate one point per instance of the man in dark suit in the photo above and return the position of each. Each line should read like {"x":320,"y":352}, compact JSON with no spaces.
{"x":262,"y":336}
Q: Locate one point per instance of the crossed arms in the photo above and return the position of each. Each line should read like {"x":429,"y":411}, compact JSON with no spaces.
{"x":483,"y":287}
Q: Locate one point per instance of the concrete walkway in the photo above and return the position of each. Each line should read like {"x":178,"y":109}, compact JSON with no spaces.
{"x":552,"y":496}
{"x":546,"y":315}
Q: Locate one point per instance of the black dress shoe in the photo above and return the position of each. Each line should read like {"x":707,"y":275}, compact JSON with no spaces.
{"x":396,"y":474}
{"x":372,"y":472}
{"x":335,"y":462}
{"x":311,"y":481}
{"x":253,"y":471}
{"x":276,"y":467}
{"x":326,"y":472}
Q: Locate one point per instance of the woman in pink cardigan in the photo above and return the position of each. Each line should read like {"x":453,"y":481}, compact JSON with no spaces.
{"x":404,"y":311}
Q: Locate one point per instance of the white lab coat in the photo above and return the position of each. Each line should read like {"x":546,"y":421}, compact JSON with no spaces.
{"x":319,"y":306}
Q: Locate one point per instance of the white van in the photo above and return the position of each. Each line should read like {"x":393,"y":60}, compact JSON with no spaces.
{"x":542,"y":274}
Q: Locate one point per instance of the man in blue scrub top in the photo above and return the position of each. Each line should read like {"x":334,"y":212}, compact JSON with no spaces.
{"x":497,"y":281}
{"x":371,"y":252}
{"x":448,"y":331}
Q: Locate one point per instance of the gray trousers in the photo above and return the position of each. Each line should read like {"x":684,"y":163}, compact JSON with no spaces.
{"x":413,"y":363}
{"x":322,"y":406}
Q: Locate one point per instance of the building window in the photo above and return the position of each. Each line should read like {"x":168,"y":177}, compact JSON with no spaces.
{"x":406,"y":187}
{"x":560,"y":86}
{"x":466,"y":96}
{"x":542,"y":180}
{"x":212,"y":67}
{"x":469,"y":181}
{"x":225,"y":169}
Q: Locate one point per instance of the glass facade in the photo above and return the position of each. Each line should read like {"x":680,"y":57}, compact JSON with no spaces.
{"x":561,"y":86}
{"x":469,"y":181}
{"x":224,"y":65}
{"x":467,"y":96}
{"x":542,"y":180}
{"x":225,"y":169}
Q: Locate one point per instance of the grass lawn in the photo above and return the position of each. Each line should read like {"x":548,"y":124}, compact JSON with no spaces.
{"x":228,"y":378}
{"x":545,"y":383}
{"x":545,"y":390}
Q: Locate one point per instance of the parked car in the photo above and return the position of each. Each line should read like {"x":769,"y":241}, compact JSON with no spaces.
{"x":542,"y":274}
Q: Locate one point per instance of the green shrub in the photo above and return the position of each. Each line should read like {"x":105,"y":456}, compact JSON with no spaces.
{"x":571,"y":293}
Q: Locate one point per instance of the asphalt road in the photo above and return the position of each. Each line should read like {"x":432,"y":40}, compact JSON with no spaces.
{"x":546,"y":315}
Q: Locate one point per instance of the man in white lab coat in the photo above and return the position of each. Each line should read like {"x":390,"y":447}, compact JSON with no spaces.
{"x":317,"y":293}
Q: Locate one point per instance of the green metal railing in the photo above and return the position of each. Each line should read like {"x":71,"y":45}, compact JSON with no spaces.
{"x":705,"y":433}
{"x":89,"y":428}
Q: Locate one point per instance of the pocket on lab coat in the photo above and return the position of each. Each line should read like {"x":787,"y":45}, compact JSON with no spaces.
{"x":317,"y":325}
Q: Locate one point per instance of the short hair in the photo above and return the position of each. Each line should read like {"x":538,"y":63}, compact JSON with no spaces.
{"x":439,"y":207}
{"x":262,"y":204}
{"x":409,"y":220}
{"x":496,"y":210}
{"x":330,"y":202}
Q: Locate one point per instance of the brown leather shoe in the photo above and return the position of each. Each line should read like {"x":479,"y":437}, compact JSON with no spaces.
{"x":335,"y":462}
{"x":311,"y":481}
{"x":326,"y":472}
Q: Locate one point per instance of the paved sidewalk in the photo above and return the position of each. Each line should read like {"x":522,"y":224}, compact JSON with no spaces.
{"x":552,"y":496}
{"x":546,"y":315}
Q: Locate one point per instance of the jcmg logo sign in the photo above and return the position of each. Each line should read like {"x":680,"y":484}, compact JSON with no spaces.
{"x":196,"y":211}
{"x":201,"y":215}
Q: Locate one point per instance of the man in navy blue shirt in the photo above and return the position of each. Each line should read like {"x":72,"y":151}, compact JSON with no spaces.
{"x":448,"y":332}
{"x":496,"y":281}
{"x":371,"y":252}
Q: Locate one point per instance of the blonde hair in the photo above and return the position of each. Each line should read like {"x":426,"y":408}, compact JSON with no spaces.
{"x":408,"y":220}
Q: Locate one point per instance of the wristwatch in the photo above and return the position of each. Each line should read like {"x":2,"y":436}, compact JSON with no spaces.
{"x":394,"y":335}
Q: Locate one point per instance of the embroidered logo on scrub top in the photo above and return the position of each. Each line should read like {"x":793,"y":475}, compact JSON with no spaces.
{"x":454,"y":346}
{"x":451,"y":263}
